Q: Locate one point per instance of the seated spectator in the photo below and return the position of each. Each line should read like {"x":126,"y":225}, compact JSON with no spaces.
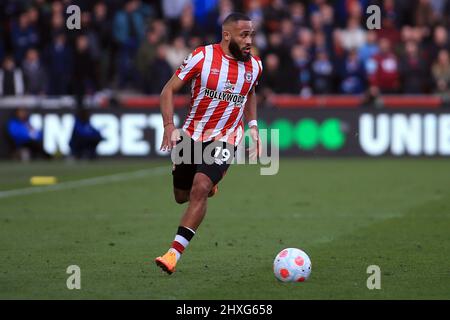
{"x":389,"y":31}
{"x":177,"y":52}
{"x":320,"y":43}
{"x":306,"y":39}
{"x":272,"y":80}
{"x":11,"y":78}
{"x":288,"y":33}
{"x":160,"y":70}
{"x":441,"y":73}
{"x":273,"y":14}
{"x":85,"y":137}
{"x":302,"y":69}
{"x":316,"y":22}
{"x":35,"y":74}
{"x":128,"y":31}
{"x":91,"y":35}
{"x":146,"y":54}
{"x":189,"y":27}
{"x":275,"y":46}
{"x":383,"y":70}
{"x":23,"y":36}
{"x":255,"y":11}
{"x":59,"y":60}
{"x":352,"y":74}
{"x":424,"y":15}
{"x":413,"y":70}
{"x":57,"y":21}
{"x":85,"y":79}
{"x":202,"y":10}
{"x":440,"y":42}
{"x":322,"y":74}
{"x":172,"y":10}
{"x":101,"y":25}
{"x":353,"y":37}
{"x":25,"y":139}
{"x":370,"y":48}
{"x":337,"y":48}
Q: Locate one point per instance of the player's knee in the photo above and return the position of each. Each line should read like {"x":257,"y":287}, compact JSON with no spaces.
{"x":200,"y":190}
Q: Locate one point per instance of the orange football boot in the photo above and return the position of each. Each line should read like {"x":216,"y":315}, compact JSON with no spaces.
{"x":167,"y":262}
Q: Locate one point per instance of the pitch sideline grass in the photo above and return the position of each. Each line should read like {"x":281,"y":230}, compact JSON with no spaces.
{"x":347,"y":214}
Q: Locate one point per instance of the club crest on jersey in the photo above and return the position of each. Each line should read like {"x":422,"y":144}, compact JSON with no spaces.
{"x":248,"y":76}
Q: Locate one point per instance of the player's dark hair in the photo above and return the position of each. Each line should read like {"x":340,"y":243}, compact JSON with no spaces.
{"x":234,"y":17}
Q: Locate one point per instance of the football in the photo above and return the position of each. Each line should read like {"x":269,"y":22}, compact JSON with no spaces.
{"x":292,"y":265}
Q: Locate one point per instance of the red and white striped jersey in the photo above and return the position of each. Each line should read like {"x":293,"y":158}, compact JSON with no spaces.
{"x":219,"y":89}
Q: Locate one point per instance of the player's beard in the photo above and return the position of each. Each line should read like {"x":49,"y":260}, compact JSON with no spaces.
{"x":237,"y":52}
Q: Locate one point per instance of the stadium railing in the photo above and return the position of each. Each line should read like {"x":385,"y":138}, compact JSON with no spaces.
{"x":290,"y":101}
{"x":110,"y":99}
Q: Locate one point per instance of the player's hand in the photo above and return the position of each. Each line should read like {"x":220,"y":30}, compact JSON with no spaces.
{"x":255,"y":150}
{"x":170,"y":138}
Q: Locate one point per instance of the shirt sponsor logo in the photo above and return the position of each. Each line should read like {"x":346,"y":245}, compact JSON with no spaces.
{"x":225,"y":96}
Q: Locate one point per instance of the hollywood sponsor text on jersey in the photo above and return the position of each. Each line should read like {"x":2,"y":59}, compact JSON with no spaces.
{"x":225,"y":96}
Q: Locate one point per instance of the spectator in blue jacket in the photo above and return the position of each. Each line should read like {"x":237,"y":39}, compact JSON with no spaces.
{"x":85,"y":137}
{"x":128,"y":31}
{"x":24,"y":36}
{"x":24,"y":137}
{"x":352,"y":74}
{"x":59,"y":61}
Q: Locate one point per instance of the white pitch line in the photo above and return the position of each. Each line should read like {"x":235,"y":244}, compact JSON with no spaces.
{"x":86,"y":182}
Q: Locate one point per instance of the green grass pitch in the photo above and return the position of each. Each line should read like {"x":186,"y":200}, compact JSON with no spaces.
{"x":346,"y":214}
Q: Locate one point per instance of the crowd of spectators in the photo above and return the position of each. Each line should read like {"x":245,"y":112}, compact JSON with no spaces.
{"x":307,"y":47}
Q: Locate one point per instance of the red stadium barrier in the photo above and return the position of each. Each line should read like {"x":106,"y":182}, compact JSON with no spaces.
{"x":290,"y":101}
{"x":151,"y":101}
{"x":431,"y":102}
